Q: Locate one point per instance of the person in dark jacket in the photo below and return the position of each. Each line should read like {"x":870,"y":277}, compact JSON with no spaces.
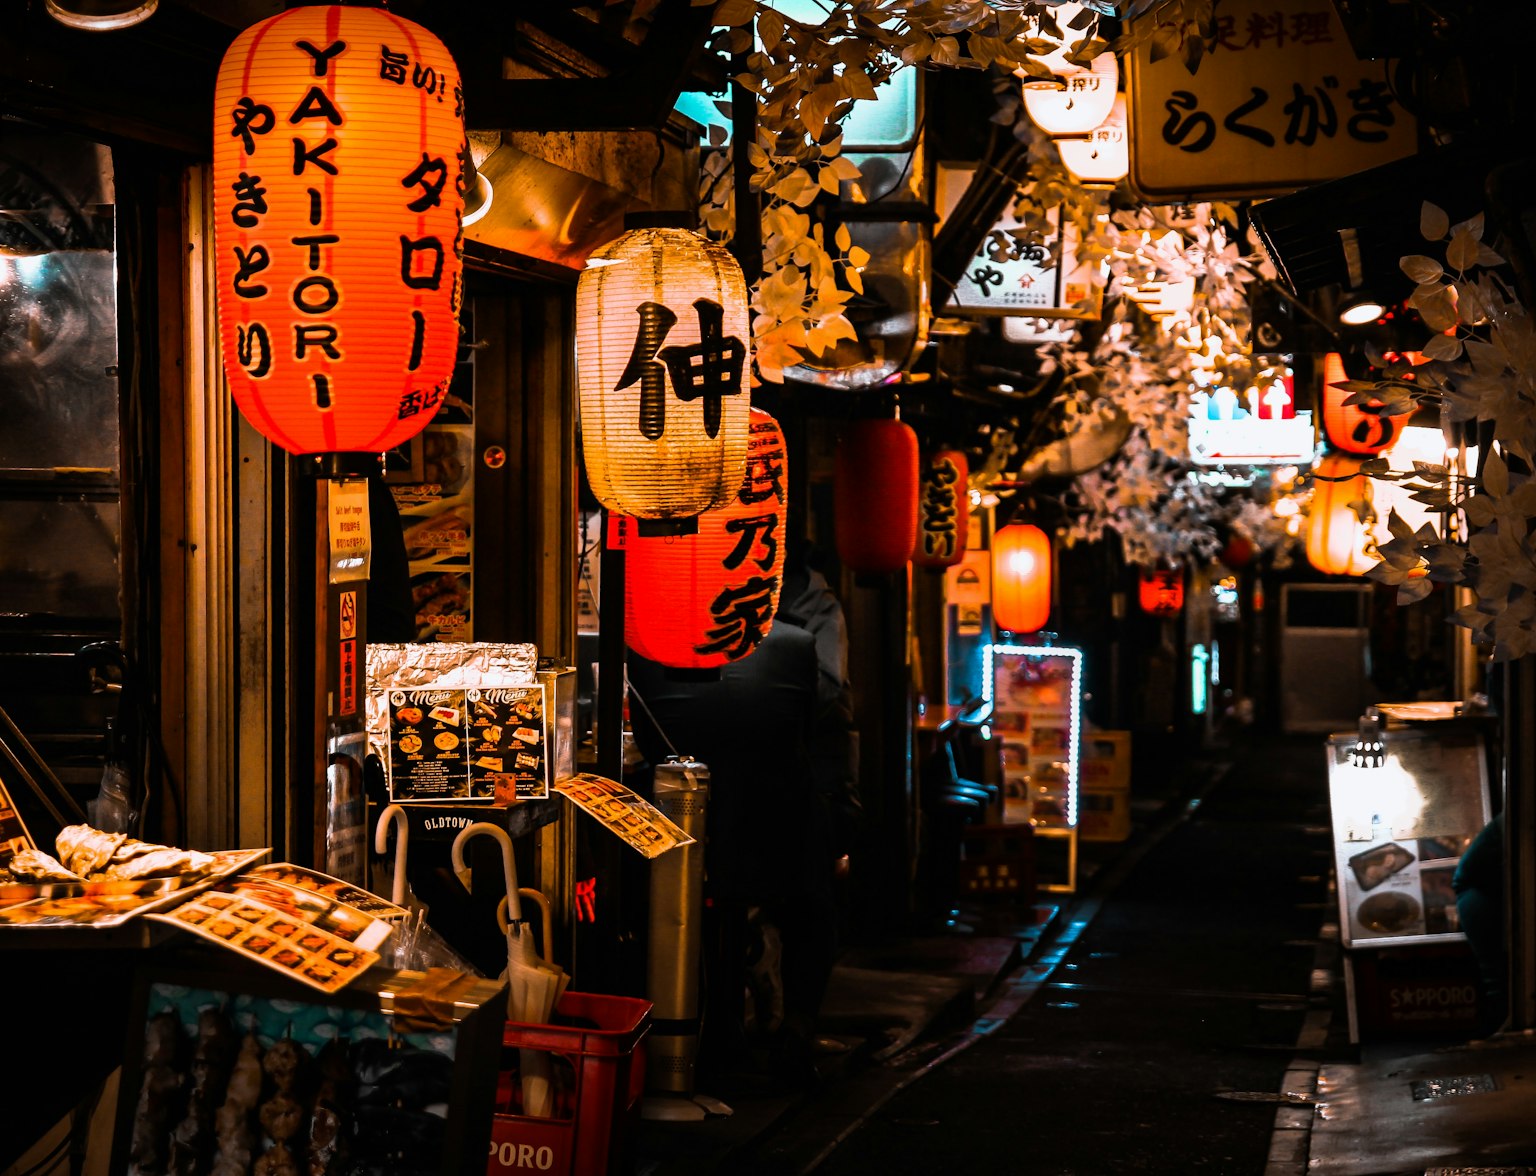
{"x":768,"y":835}
{"x":1479,"y":886}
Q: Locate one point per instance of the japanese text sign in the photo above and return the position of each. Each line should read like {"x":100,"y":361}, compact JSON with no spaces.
{"x":1280,"y":102}
{"x":337,"y":185}
{"x":1006,"y":278}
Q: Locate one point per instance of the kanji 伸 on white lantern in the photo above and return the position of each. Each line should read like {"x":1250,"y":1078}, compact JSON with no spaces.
{"x":338,"y":250}
{"x":1104,"y":157}
{"x":1084,"y":100}
{"x":662,"y":373}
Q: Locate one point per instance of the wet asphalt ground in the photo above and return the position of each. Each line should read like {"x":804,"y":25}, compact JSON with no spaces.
{"x":1152,"y":1036}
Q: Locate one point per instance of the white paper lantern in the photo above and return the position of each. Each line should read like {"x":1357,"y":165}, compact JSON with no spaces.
{"x":1103,"y":157}
{"x":662,"y":373}
{"x":1084,"y":101}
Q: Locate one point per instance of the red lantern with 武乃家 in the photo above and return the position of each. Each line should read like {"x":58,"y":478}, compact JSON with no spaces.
{"x":337,"y":196}
{"x":700,"y":601}
{"x":1161,"y":591}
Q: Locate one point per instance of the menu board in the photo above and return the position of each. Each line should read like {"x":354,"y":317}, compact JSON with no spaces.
{"x":626,"y":814}
{"x":1035,"y":692}
{"x":1399,"y":831}
{"x":13,"y":830}
{"x":468,"y":744}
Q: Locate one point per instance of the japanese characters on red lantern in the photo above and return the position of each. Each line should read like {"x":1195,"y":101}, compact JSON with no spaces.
{"x":700,"y":601}
{"x":1021,"y":578}
{"x":1162,"y":591}
{"x":662,"y":373}
{"x":337,"y":205}
{"x":943,"y":510}
{"x":874,"y":495}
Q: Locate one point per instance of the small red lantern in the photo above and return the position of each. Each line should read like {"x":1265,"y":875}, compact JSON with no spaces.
{"x":1237,"y":552}
{"x":337,"y":198}
{"x":1353,"y":428}
{"x":700,"y":601}
{"x":943,"y":510}
{"x":874,"y":494}
{"x":1162,"y":591}
{"x":1021,"y":578}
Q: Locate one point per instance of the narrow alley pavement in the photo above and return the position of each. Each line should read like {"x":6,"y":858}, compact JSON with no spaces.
{"x":1172,"y":1020}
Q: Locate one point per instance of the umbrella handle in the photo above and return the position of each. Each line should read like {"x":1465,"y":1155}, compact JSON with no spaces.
{"x":540,"y":900}
{"x":507,"y":865}
{"x":393,"y":812}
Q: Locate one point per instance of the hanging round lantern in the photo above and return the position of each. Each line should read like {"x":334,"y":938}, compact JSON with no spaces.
{"x":1162,"y":591}
{"x":1021,"y":578}
{"x":1084,"y":100}
{"x":1353,"y":428}
{"x":337,"y":193}
{"x":1237,"y":552}
{"x":1338,"y":542}
{"x":1104,"y":157}
{"x":874,"y":496}
{"x":700,"y":601}
{"x":662,"y":373}
{"x":943,"y":510}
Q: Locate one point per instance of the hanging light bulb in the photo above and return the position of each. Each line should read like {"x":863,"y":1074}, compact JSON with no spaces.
{"x":1370,"y":750}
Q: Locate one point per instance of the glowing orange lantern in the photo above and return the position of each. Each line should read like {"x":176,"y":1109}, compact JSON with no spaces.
{"x":700,"y":601}
{"x":874,"y":496}
{"x":1338,"y":542}
{"x":1353,"y":428}
{"x":1162,"y":592}
{"x":943,"y":510}
{"x":1021,"y":578}
{"x":662,"y":373}
{"x":337,"y":198}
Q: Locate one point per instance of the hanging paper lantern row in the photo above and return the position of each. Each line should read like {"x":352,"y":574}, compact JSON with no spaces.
{"x":700,"y":601}
{"x":1338,"y":542}
{"x":874,"y":496}
{"x":943,"y":510}
{"x":1021,"y":578}
{"x":338,"y":247}
{"x":1353,"y":428}
{"x":662,"y":373}
{"x":1162,"y":592}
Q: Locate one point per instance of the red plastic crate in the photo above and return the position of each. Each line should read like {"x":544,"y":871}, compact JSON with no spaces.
{"x":592,"y":1119}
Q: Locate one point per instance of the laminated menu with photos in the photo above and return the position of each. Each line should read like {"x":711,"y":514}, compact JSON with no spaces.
{"x":311,"y":927}
{"x":459,"y":721}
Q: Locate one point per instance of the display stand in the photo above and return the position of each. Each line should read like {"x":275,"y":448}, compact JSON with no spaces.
{"x":1036,"y":693}
{"x":1399,"y":830}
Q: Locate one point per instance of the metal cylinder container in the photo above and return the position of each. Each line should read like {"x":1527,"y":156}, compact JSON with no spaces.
{"x":677,"y":906}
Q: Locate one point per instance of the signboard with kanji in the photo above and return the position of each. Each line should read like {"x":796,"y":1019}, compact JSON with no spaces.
{"x":1279,"y":103}
{"x":1039,"y":282}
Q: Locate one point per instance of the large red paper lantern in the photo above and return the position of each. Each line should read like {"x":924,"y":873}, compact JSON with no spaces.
{"x":1162,"y":591}
{"x":943,"y":510}
{"x":1353,"y":428}
{"x":1338,"y":542}
{"x":662,"y":373}
{"x":874,"y":495}
{"x":700,"y":601}
{"x":337,"y":200}
{"x":1021,"y":578}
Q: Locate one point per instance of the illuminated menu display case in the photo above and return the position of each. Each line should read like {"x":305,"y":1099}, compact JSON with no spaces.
{"x":1036,"y":695}
{"x":1399,"y":829}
